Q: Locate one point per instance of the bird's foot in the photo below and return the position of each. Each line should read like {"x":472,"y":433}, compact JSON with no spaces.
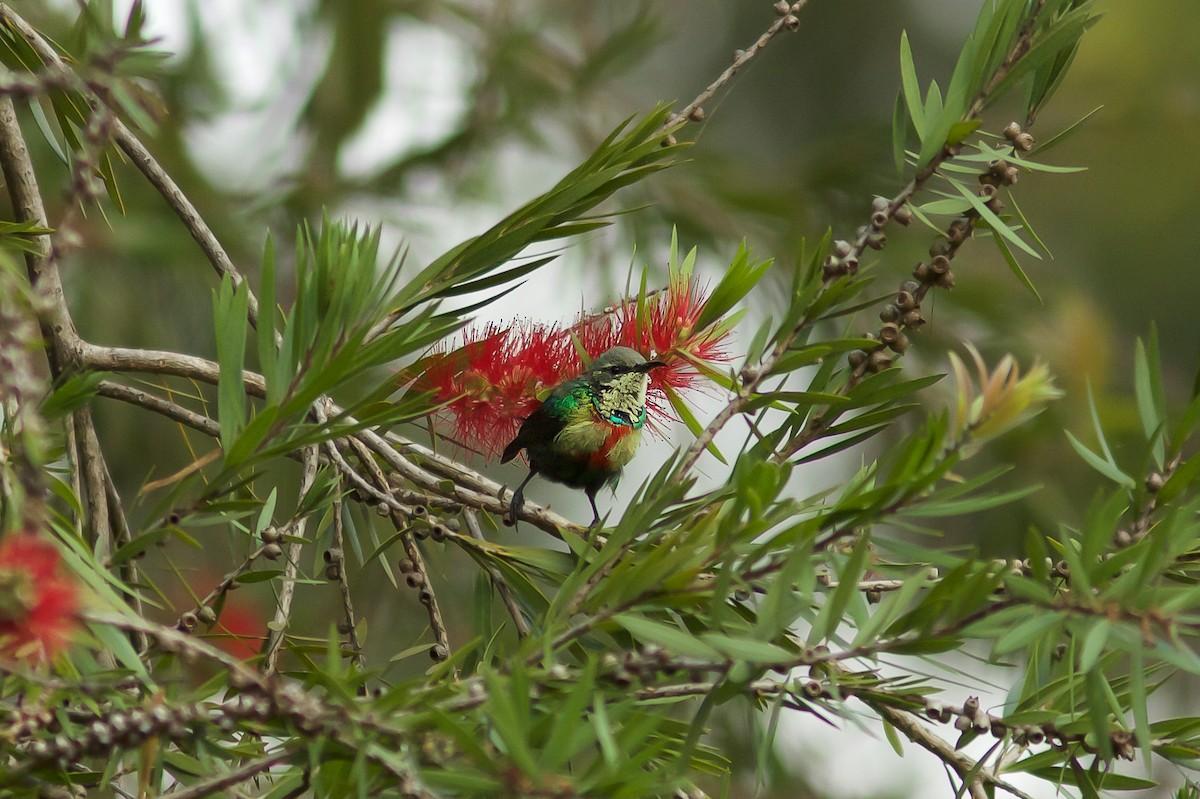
{"x":515,"y":506}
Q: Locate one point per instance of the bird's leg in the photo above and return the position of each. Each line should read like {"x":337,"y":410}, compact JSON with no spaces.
{"x":518,"y":499}
{"x":591,"y":495}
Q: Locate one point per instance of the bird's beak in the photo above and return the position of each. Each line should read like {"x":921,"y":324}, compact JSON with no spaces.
{"x":648,"y":365}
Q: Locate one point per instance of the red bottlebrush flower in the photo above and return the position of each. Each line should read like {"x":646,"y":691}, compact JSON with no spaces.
{"x":240,"y":630}
{"x":241,"y":625}
{"x":39,"y":602}
{"x":493,"y":381}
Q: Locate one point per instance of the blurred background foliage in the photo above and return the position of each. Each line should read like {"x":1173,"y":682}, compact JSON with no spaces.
{"x":433,"y":118}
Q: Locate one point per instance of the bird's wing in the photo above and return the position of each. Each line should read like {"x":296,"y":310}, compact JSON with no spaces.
{"x":541,"y":423}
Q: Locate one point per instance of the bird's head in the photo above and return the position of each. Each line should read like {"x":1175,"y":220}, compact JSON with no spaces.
{"x":622,"y":369}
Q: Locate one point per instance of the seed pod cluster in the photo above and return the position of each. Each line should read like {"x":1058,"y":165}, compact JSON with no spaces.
{"x":904,"y":312}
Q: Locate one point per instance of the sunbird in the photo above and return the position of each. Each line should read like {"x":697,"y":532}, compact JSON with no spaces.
{"x":588,"y":428}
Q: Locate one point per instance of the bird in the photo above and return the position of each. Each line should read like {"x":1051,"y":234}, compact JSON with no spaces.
{"x":588,"y":428}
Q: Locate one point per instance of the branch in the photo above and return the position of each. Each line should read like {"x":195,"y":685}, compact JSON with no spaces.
{"x":162,"y":362}
{"x":470,"y":487}
{"x":344,"y":583}
{"x":57,"y":326}
{"x":972,"y":773}
{"x":540,"y":517}
{"x":94,"y":479}
{"x":188,"y":620}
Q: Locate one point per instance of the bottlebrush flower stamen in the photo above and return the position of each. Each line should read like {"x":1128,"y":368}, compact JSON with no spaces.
{"x":493,"y":381}
{"x":39,"y":602}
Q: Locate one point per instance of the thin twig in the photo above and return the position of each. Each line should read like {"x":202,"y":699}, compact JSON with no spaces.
{"x":163,"y":407}
{"x":176,"y":641}
{"x":230,"y":778}
{"x":362,"y":485}
{"x":344,"y":584}
{"x":497,"y":578}
{"x":740,"y":59}
{"x":287,"y":591}
{"x":224,"y":586}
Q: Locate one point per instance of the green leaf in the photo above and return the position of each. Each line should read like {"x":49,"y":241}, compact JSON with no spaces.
{"x":689,"y":419}
{"x":1067,"y":132}
{"x":748,"y":649}
{"x":893,"y":738}
{"x":509,"y":722}
{"x":831,"y":615}
{"x":496,"y":279}
{"x":1111,"y":780}
{"x":938,"y":121}
{"x":845,"y":443}
{"x":268,"y":358}
{"x":1028,"y":228}
{"x":995,"y":222}
{"x":670,"y":637}
{"x":959,"y":131}
{"x":229,"y":317}
{"x":1097,"y":690}
{"x":1028,"y":631}
{"x":566,"y":719}
{"x":973,"y":504}
{"x":910,"y":87}
{"x":1180,"y":480}
{"x":258,"y":575}
{"x":1093,"y":644}
{"x":1106,"y":468}
{"x":117,"y":643}
{"x":950,"y":206}
{"x":1016,"y":269}
{"x":1137,"y":703}
{"x":1148,"y":389}
{"x":71,"y":393}
{"x":741,"y":276}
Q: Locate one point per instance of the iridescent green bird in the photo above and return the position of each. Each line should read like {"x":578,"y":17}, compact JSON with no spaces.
{"x":588,"y":428}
